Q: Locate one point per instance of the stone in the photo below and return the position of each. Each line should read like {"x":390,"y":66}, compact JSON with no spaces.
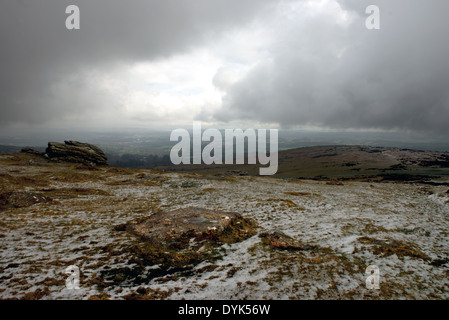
{"x":177,"y":240}
{"x":32,"y":151}
{"x":21,"y":199}
{"x":167,"y":228}
{"x":280,"y":240}
{"x":78,"y":152}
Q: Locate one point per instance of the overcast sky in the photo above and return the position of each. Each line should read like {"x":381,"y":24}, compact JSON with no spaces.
{"x":241,"y":63}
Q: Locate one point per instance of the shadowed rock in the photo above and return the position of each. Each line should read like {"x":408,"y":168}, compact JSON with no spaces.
{"x":32,"y":151}
{"x":78,"y":152}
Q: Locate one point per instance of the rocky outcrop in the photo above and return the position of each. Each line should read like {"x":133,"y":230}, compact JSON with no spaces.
{"x":32,"y":151}
{"x":78,"y":152}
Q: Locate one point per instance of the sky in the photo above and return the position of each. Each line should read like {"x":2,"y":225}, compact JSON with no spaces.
{"x":248,"y":63}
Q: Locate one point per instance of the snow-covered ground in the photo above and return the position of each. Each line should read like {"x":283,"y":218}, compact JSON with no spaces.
{"x":344,"y":224}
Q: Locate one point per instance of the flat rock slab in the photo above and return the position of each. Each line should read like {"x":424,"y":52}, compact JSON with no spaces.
{"x":169,"y":227}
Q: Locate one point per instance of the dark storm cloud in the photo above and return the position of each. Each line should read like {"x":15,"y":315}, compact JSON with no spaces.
{"x":38,"y":52}
{"x":320,"y":70}
{"x":327,"y":73}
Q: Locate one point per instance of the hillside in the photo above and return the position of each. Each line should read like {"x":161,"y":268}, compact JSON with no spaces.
{"x":342,"y":162}
{"x":302,"y":238}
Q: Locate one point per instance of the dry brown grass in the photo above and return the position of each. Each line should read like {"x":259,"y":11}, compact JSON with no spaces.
{"x":284,"y":202}
{"x":9,"y":182}
{"x":67,"y":193}
{"x":388,"y":247}
{"x":298,"y":193}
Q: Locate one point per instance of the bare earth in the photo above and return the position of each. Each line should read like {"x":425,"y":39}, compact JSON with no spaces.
{"x":70,"y":215}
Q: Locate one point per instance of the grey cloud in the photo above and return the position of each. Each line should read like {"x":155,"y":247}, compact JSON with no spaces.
{"x":326,"y":74}
{"x":38,"y":52}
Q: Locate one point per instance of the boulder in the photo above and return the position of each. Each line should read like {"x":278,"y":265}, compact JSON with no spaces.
{"x":180,"y":239}
{"x":177,"y":226}
{"x":78,"y":152}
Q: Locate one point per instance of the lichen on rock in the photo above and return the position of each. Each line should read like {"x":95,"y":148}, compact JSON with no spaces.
{"x":78,"y":152}
{"x":180,"y":239}
{"x":169,"y":228}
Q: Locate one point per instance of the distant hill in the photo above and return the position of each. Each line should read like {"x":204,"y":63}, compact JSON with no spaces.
{"x":315,"y":162}
{"x":9,"y":149}
{"x":341,"y":162}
